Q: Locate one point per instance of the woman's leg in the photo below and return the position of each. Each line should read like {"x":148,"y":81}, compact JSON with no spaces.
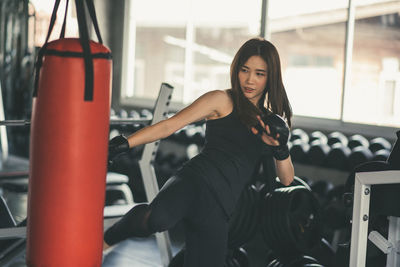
{"x":206,"y":231}
{"x":168,"y":207}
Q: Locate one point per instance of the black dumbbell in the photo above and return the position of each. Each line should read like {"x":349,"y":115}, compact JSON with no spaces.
{"x":299,"y":151}
{"x":357,"y":140}
{"x":338,"y":156}
{"x":379,"y":143}
{"x":318,"y":135}
{"x":318,"y":152}
{"x":336,"y":137}
{"x":299,"y":134}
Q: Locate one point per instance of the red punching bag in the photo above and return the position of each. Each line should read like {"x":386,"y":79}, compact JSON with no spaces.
{"x":68,"y":149}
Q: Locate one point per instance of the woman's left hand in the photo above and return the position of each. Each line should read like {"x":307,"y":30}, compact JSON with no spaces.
{"x":267,"y":138}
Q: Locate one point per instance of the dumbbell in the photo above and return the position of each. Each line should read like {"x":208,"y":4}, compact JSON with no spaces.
{"x":318,"y":153}
{"x":336,"y":137}
{"x":317,"y":135}
{"x":299,"y":151}
{"x":379,"y":143}
{"x":358,"y":156}
{"x":299,"y":134}
{"x":357,"y":140}
{"x":338,"y":157}
{"x":380,"y":155}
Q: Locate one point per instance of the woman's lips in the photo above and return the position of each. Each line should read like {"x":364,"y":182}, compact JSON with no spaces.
{"x":248,"y":90}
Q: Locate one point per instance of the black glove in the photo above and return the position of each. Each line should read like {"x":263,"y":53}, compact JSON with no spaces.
{"x":280,"y":152}
{"x":116,"y":146}
{"x":277,"y":125}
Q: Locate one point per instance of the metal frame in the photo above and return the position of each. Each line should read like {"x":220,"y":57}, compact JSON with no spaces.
{"x":362,"y":193}
{"x":348,"y":52}
{"x":148,"y":172}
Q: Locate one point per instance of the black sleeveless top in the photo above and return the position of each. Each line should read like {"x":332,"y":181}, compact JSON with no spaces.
{"x":228,"y":160}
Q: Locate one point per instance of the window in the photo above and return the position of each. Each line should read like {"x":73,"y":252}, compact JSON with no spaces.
{"x":310,"y":37}
{"x":191,"y":45}
{"x":373,"y":97}
{"x":187,"y":44}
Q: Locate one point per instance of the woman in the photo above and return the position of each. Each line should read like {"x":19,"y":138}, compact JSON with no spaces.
{"x":203,"y":193}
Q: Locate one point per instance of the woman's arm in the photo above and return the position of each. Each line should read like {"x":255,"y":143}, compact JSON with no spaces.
{"x":205,"y":106}
{"x":285,"y":171}
{"x":284,"y":167}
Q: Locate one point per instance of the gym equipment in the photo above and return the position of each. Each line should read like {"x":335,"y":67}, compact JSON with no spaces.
{"x":362,"y":190}
{"x":117,"y":189}
{"x":318,"y":153}
{"x":338,"y":156}
{"x":394,"y":157}
{"x":357,"y":140}
{"x":359,"y":155}
{"x":290,"y":221}
{"x":379,"y":143}
{"x":299,"y":261}
{"x":299,"y":134}
{"x":299,"y":151}
{"x":71,"y":100}
{"x":380,"y":155}
{"x":336,"y":137}
{"x":320,"y":136}
{"x":111,"y":213}
{"x":10,"y":247}
{"x":320,"y":189}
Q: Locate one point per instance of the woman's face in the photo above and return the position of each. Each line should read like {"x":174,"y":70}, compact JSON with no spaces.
{"x":253,"y":78}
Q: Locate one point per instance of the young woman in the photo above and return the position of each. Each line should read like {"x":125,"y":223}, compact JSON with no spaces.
{"x":203,"y":193}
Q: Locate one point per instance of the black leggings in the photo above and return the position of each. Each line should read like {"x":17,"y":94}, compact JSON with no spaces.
{"x":185,"y":199}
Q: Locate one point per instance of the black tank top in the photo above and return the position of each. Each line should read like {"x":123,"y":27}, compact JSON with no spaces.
{"x":228,"y":160}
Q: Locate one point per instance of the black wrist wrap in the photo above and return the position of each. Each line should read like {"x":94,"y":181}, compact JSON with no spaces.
{"x":280,"y":152}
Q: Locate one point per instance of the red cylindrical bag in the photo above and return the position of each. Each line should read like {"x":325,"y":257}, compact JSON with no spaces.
{"x":68,"y":155}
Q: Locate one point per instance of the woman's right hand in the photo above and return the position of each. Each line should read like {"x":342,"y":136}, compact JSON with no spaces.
{"x":116,"y":146}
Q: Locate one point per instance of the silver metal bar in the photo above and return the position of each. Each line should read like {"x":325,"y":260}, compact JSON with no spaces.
{"x":148,"y":172}
{"x":348,"y":52}
{"x":265,"y":30}
{"x":13,"y":232}
{"x":112,"y":122}
{"x":393,"y":258}
{"x":362,"y":192}
{"x":3,"y":130}
{"x":360,"y":223}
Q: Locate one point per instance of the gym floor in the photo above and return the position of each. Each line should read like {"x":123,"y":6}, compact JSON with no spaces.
{"x":144,"y":252}
{"x":135,"y":252}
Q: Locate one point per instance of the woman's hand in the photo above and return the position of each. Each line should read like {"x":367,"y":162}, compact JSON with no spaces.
{"x":266,"y":137}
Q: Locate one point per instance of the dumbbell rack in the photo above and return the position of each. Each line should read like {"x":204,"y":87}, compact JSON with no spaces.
{"x":362,"y":193}
{"x":146,"y":165}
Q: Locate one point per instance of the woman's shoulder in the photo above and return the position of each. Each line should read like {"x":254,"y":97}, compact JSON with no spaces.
{"x":224,"y":100}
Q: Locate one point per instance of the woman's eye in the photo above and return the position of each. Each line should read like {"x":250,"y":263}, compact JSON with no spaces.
{"x":261,"y":74}
{"x":243,"y":70}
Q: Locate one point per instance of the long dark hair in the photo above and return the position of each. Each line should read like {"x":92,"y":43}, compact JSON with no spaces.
{"x":276,"y":100}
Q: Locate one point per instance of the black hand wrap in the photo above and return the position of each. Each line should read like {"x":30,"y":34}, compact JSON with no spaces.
{"x":277,"y":125}
{"x":280,"y":152}
{"x":116,"y":146}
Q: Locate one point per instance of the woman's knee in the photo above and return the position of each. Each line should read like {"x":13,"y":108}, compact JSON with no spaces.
{"x":160,"y":220}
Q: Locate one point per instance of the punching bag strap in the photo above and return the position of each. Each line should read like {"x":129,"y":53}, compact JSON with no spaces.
{"x":87,"y":55}
{"x":62,"y":34}
{"x":39,"y":59}
{"x":92,"y":12}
